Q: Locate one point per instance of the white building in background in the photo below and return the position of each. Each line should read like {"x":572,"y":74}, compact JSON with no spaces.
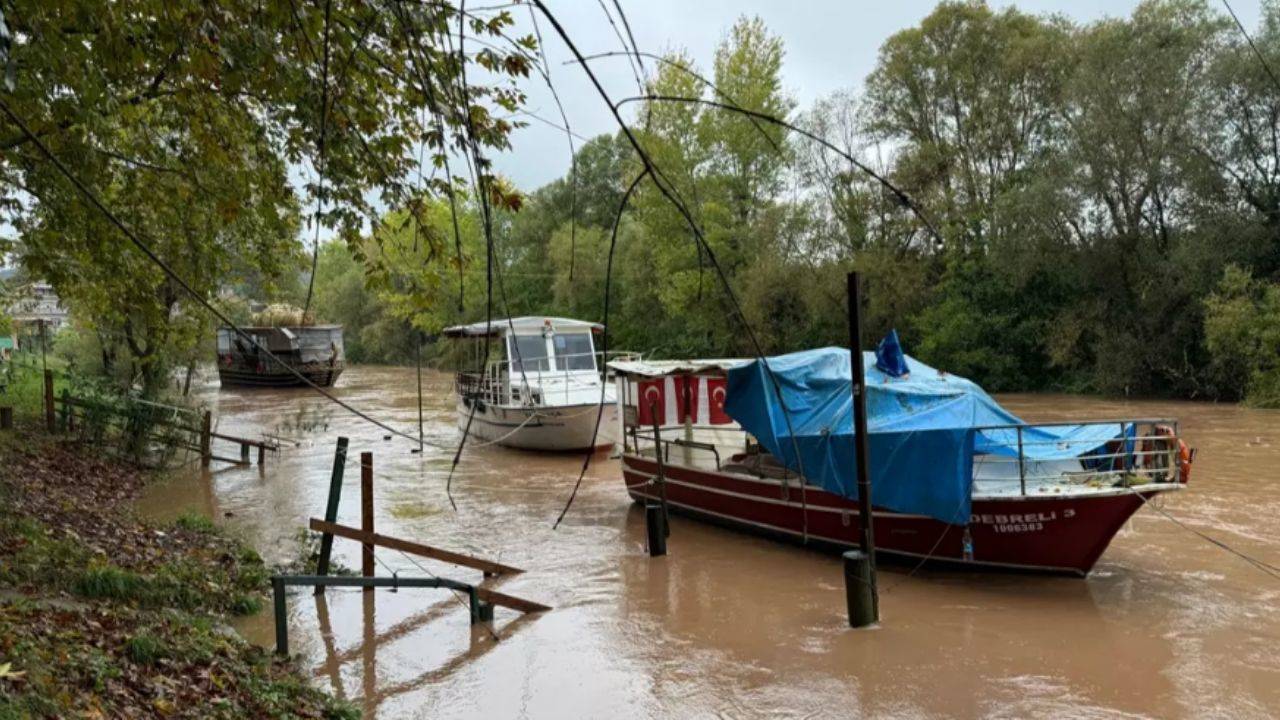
{"x":37,"y":302}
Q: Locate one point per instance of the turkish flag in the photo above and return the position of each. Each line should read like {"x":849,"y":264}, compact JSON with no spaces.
{"x":665,"y":395}
{"x":717,"y":388}
{"x":706,"y":400}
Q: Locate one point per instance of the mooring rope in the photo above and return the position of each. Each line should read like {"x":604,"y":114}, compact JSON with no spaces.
{"x":1261,"y":565}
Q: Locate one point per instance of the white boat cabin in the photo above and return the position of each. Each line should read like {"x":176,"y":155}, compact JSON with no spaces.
{"x":533,"y":361}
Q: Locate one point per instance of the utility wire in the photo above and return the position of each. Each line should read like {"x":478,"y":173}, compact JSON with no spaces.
{"x":666,"y":187}
{"x":604,"y":352}
{"x":1262,"y":59}
{"x":320,"y":162}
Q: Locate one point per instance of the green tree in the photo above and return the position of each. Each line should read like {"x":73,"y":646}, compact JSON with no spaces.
{"x":187,"y":116}
{"x":1242,"y":329}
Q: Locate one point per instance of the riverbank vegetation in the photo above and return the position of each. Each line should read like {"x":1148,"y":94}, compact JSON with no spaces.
{"x":1106,"y":198}
{"x":1102,"y":199}
{"x":105,"y":615}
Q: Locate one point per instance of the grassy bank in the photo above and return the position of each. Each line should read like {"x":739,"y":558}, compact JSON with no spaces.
{"x":103,"y":614}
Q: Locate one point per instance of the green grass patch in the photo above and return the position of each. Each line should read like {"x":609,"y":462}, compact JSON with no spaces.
{"x":195,"y":522}
{"x":144,"y":649}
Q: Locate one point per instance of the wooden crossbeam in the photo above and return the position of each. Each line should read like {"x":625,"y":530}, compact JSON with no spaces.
{"x":488,"y":566}
{"x":510,"y":601}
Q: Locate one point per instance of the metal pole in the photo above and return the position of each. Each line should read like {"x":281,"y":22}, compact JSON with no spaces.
{"x":662,"y":472}
{"x":417,"y":352}
{"x":857,"y":386}
{"x":331,"y":510}
{"x":282,"y":618}
{"x":1022,"y":465}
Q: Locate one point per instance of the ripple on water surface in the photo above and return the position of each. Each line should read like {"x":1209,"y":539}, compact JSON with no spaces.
{"x":730,"y":625}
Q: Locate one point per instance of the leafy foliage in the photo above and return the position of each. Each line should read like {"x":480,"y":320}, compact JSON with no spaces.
{"x":188,"y":118}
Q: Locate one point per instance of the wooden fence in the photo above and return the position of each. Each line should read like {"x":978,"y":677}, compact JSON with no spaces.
{"x":185,"y":428}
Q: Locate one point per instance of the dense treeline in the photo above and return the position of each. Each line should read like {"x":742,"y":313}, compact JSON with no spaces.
{"x":1107,"y":198}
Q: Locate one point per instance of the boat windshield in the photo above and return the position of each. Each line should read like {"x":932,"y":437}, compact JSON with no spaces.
{"x":530,"y":354}
{"x":574,"y":352}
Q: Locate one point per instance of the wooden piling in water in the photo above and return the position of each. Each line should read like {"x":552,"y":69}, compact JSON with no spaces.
{"x":859,"y":589}
{"x":655,"y":524}
{"x":366,"y":513}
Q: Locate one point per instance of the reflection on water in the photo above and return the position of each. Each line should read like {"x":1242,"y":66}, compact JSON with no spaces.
{"x":731,"y":625}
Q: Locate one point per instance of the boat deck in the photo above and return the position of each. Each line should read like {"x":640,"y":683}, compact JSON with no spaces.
{"x":995,"y":477}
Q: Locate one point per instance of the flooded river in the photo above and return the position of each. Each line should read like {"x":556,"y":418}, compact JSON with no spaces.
{"x":729,"y":625}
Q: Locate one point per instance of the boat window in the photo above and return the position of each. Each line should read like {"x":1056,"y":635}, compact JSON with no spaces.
{"x":573,"y":352}
{"x":531,"y":355}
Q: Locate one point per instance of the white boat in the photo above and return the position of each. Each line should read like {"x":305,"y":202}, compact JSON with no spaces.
{"x":540,"y":388}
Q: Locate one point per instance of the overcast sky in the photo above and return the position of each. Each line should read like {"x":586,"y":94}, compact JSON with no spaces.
{"x":830,"y":45}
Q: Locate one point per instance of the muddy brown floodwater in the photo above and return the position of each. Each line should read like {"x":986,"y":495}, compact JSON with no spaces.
{"x":730,"y":625}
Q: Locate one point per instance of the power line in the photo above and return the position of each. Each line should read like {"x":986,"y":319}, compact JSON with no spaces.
{"x":1262,"y":59}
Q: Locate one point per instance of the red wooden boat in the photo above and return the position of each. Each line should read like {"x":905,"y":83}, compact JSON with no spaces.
{"x":1026,"y":513}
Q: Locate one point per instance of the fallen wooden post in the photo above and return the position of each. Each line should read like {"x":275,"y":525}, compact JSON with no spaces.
{"x":487,"y":566}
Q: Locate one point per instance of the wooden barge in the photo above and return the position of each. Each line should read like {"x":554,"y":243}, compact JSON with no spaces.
{"x":313,"y":351}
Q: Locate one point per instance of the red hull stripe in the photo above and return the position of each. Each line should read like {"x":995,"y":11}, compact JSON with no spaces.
{"x":1059,"y":534}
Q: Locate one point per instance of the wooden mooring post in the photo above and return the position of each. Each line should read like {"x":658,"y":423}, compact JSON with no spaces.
{"x":366,"y":515}
{"x":860,"y":566}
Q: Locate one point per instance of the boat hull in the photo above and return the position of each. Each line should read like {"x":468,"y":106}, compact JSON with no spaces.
{"x":1061,"y":534}
{"x":323,"y":377}
{"x":560,"y":428}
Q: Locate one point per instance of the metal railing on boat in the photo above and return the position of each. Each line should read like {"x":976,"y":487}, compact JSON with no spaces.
{"x":1135,"y":452}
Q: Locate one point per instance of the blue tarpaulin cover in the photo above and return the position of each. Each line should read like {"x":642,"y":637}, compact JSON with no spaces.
{"x":925,"y":428}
